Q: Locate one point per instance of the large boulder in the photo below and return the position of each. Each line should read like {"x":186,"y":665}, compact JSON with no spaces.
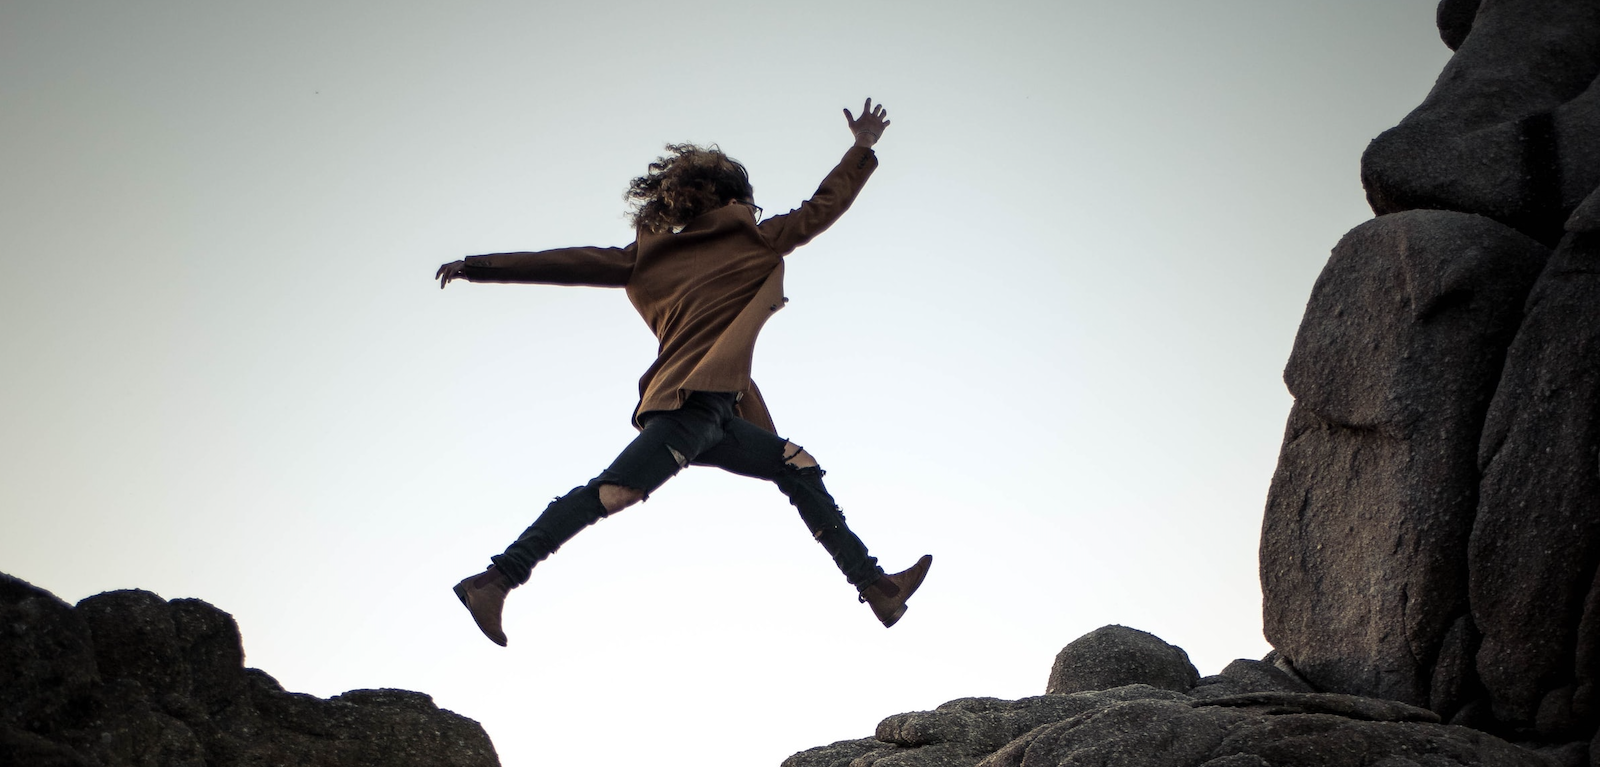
{"x":1114,"y":656}
{"x":1364,"y":540}
{"x":129,"y":679}
{"x":1489,"y":138}
{"x":1536,"y":542}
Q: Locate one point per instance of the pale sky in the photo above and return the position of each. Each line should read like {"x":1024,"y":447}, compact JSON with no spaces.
{"x":1045,"y":345}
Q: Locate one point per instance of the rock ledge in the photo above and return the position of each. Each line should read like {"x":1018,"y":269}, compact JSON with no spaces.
{"x":127,"y":678}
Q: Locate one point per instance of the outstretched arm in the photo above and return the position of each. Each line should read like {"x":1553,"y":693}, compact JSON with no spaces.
{"x":597,"y":267}
{"x":838,"y":190}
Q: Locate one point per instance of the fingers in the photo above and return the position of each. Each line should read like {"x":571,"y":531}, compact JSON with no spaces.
{"x":448,"y":272}
{"x":879,"y":119}
{"x":868,"y":110}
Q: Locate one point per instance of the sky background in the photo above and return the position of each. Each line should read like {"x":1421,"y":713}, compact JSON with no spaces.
{"x":1045,"y":345}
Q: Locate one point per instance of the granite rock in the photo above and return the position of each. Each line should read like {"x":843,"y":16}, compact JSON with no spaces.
{"x":1488,"y":138}
{"x":1454,"y":19}
{"x":1364,"y":539}
{"x":127,"y":679}
{"x":1114,"y":656}
{"x":1536,"y":542}
{"x":1142,"y":726}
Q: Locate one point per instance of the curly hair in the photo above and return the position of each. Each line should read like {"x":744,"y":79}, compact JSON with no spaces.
{"x":688,"y":182}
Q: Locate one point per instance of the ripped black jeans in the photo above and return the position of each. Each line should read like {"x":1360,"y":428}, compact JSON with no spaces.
{"x":704,"y":432}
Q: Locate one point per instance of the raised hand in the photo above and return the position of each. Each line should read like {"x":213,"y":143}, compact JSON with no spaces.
{"x":869,"y":127}
{"x":449,"y":272}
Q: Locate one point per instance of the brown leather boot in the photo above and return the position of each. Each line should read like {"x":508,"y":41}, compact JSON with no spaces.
{"x":887,"y":595}
{"x":484,"y":595}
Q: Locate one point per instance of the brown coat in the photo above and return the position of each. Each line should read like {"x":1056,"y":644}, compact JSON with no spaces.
{"x":705,"y":291}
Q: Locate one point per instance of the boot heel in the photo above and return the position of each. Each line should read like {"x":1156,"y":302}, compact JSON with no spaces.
{"x":887,"y":596}
{"x":894,"y":617}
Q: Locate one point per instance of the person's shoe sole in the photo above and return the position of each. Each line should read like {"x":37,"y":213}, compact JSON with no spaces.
{"x":893,"y":619}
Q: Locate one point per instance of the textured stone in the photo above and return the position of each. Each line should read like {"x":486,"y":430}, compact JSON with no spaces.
{"x":127,"y":679}
{"x":1577,"y":135}
{"x":1363,"y":548}
{"x":1246,"y":676}
{"x":1486,"y":139}
{"x":47,"y":663}
{"x":1333,"y":741}
{"x":1237,"y":760}
{"x":1536,"y":540}
{"x":1139,"y":725}
{"x":1454,"y":18}
{"x":838,"y":754}
{"x":1114,"y":656}
{"x":1150,"y":733}
{"x":1218,"y":686}
{"x":1586,"y":217}
{"x":22,"y":748}
{"x":984,"y":724}
{"x":1259,"y":676}
{"x":936,"y":755}
{"x":209,"y":644}
{"x":1455,"y":677}
{"x":135,"y":639}
{"x":1350,"y":706}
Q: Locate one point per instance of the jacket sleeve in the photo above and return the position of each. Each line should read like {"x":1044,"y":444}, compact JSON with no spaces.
{"x":596,"y":267}
{"x":795,"y":228}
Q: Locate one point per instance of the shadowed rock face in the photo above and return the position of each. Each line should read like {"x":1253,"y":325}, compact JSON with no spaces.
{"x":127,"y":678}
{"x":1508,"y":130}
{"x":1251,"y":715}
{"x":1432,"y":534}
{"x":1455,"y":19}
{"x":1537,"y":541}
{"x":1363,"y":546}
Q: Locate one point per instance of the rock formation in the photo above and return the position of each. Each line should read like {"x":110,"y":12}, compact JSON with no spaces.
{"x":1364,"y":544}
{"x":1432,"y":533}
{"x":1430,"y":551}
{"x":1253,"y":714}
{"x":126,"y":678}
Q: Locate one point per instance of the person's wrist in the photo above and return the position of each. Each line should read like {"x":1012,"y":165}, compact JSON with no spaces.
{"x":866,"y":140}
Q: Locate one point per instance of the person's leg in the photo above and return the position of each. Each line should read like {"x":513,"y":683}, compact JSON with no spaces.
{"x":667,"y":443}
{"x":751,"y":451}
{"x":748,"y":450}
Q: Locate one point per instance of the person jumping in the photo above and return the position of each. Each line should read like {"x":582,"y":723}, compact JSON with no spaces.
{"x":705,"y":272}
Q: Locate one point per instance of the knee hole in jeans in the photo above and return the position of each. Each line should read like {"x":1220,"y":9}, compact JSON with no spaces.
{"x":796,"y":456}
{"x":615,"y":498}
